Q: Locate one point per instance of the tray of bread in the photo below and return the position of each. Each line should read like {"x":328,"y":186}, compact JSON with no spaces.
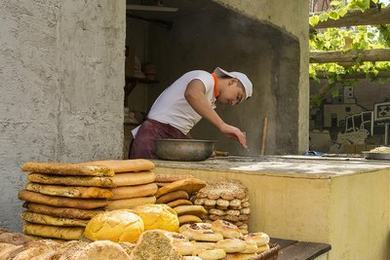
{"x":378,"y":153}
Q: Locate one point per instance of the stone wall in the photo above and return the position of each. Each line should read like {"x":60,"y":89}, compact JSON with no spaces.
{"x":61,"y":83}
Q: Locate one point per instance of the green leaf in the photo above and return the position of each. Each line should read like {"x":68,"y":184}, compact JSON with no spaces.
{"x":334,"y":15}
{"x":314,"y":20}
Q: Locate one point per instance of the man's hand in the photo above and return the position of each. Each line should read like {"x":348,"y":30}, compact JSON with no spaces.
{"x":235,"y":133}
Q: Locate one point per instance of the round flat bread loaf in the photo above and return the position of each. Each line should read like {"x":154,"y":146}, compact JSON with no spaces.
{"x":231,"y":245}
{"x":67,"y":169}
{"x":171,"y":196}
{"x":70,"y":191}
{"x":226,"y":189}
{"x":243,"y":217}
{"x":120,"y":166}
{"x":215,"y":217}
{"x":189,"y":185}
{"x":164,"y":178}
{"x":89,"y":181}
{"x":190,"y":210}
{"x":245,"y":204}
{"x":130,"y":203}
{"x":189,"y":219}
{"x":132,"y":179}
{"x":209,"y":202}
{"x":212,"y":254}
{"x":228,"y":230}
{"x":217,"y":212}
{"x":14,"y":238}
{"x":137,"y":191}
{"x":251,"y":248}
{"x":6,"y":250}
{"x":199,"y":201}
{"x":69,"y":249}
{"x":102,"y":250}
{"x":61,"y":201}
{"x":184,"y":247}
{"x":53,"y":221}
{"x":235,"y":203}
{"x":260,"y":238}
{"x":63,"y":212}
{"x":179,"y":202}
{"x":65,"y":233}
{"x":35,"y":249}
{"x":223,"y":203}
{"x":233,"y":212}
{"x":200,"y":232}
{"x":245,"y":211}
{"x":231,"y":218}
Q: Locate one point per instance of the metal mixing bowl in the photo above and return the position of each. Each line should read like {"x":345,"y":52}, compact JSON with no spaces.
{"x":184,"y":149}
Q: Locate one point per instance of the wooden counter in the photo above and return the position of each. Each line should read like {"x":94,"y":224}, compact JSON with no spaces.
{"x":339,"y":201}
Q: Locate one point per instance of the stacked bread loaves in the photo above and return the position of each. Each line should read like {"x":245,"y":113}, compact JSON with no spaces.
{"x":61,"y":198}
{"x":218,"y":240}
{"x":176,"y":195}
{"x":226,"y":200}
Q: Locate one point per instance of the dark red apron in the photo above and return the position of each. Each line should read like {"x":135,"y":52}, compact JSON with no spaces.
{"x":151,"y":130}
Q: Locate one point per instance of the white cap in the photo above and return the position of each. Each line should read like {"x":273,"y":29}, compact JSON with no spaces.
{"x":245,"y":81}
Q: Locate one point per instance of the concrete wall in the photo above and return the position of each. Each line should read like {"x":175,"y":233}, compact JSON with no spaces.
{"x":274,"y":57}
{"x":351,"y":212}
{"x":61,"y":83}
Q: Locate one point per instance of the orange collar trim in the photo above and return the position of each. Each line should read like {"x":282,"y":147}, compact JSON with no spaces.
{"x":216,"y":90}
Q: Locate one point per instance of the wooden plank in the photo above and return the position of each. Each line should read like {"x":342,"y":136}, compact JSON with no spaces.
{"x":381,"y":74}
{"x":282,"y":242}
{"x":303,"y":251}
{"x":350,"y":56}
{"x":356,"y":17}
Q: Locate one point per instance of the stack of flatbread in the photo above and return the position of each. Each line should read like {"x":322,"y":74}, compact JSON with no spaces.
{"x":177,"y":195}
{"x":61,"y":197}
{"x":227,"y":200}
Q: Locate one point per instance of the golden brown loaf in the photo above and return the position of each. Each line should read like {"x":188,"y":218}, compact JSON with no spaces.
{"x":117,"y":225}
{"x":158,"y":216}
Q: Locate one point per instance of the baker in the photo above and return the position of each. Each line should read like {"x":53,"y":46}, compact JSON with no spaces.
{"x":180,"y":107}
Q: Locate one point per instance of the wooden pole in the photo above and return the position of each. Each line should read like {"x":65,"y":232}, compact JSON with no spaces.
{"x":264,"y":135}
{"x":356,"y":17}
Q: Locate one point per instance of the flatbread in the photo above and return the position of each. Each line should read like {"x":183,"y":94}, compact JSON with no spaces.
{"x":67,"y":169}
{"x":53,"y":221}
{"x":70,"y":191}
{"x":189,"y":185}
{"x":189,"y":219}
{"x":190,"y":210}
{"x":129,"y":192}
{"x":130,"y":203}
{"x":89,"y":181}
{"x":101,"y":250}
{"x":171,"y":196}
{"x":226,"y":189}
{"x":65,"y":233}
{"x":154,"y":244}
{"x":119,"y":166}
{"x":61,"y":201}
{"x":131,"y":179}
{"x":34,"y":249}
{"x":164,"y":178}
{"x":62,"y":212}
{"x":14,"y":238}
{"x":179,"y":202}
{"x":6,"y":249}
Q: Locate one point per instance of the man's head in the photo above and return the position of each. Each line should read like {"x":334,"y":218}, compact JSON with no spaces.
{"x":234,"y":87}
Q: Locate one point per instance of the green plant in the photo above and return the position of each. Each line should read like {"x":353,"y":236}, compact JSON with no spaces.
{"x":343,"y":39}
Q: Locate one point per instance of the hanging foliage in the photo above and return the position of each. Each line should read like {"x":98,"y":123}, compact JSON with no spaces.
{"x":343,"y":39}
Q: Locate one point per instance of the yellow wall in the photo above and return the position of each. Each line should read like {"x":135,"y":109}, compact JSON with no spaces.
{"x":349,"y":212}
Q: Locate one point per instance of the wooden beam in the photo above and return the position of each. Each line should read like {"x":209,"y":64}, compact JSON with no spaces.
{"x":357,"y":75}
{"x":356,"y":17}
{"x":349,"y":56}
